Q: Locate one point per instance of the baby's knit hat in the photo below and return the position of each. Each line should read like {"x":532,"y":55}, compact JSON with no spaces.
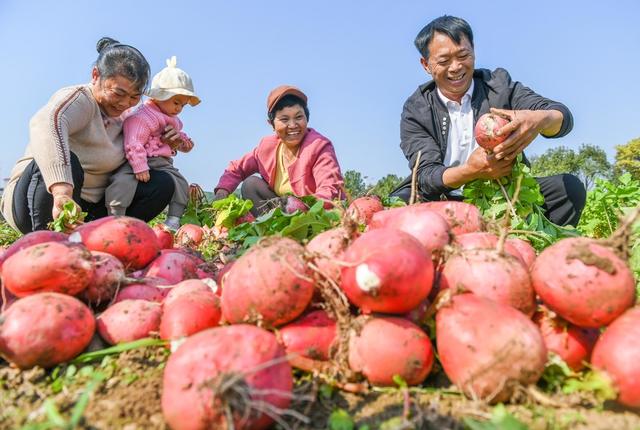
{"x":172,"y":81}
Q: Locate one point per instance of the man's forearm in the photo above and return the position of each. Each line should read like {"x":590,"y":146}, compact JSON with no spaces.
{"x":455,"y":177}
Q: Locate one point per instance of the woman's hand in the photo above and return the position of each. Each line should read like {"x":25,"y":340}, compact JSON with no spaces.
{"x":143,"y":176}
{"x":221,"y":194}
{"x":62,"y":193}
{"x":523,"y":127}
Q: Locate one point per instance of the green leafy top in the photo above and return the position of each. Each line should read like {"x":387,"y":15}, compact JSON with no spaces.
{"x":495,"y":197}
{"x":298,"y":225}
{"x":218,"y":213}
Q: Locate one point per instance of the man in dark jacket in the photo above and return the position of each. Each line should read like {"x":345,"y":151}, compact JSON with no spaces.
{"x":439,"y":117}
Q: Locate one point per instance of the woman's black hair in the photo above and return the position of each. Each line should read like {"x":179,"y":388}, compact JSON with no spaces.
{"x":117,"y":59}
{"x":452,"y":26}
{"x":288,"y":101}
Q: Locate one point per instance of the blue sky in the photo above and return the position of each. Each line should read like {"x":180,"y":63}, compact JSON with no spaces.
{"x":354,"y":59}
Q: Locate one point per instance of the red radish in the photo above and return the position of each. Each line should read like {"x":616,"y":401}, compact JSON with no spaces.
{"x":129,"y":320}
{"x":189,"y":235}
{"x":584,"y":282}
{"x":151,"y":289}
{"x":33,"y":238}
{"x":268,"y":284}
{"x":174,"y":266}
{"x":293,"y":204}
{"x":462,"y":217}
{"x":389,"y":346}
{"x":236,"y":371}
{"x":429,"y":227}
{"x":486,"y":240}
{"x":164,"y":235}
{"x":248,"y":217}
{"x":487,"y":348}
{"x":220,"y":276}
{"x":487,"y":273}
{"x":128,"y":239}
{"x":328,"y":250}
{"x":571,"y":343}
{"x":363,"y":208}
{"x":310,"y":336}
{"x":486,"y":130}
{"x":60,"y":267}
{"x":527,"y":252}
{"x":190,"y":307}
{"x":617,"y":354}
{"x":386,"y":270}
{"x":107,"y":277}
{"x":45,"y":329}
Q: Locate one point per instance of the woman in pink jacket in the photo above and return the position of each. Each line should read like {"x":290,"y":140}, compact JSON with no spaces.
{"x":294,"y":160}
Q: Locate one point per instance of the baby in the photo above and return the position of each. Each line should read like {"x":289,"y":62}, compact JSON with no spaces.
{"x":152,"y":135}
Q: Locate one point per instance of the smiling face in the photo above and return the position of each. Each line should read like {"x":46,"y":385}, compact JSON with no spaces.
{"x":115,"y":94}
{"x":451,"y":65}
{"x":290,"y":124}
{"x":172,"y":106}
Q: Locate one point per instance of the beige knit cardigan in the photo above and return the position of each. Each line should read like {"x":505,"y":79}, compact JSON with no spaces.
{"x":70,"y":121}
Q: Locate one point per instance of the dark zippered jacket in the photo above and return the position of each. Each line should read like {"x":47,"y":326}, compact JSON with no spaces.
{"x":425,"y":122}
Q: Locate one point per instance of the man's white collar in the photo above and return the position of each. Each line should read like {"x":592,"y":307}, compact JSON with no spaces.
{"x":446,"y":100}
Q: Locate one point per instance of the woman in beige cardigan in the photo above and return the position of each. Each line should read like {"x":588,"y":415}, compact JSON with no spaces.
{"x":75,"y":143}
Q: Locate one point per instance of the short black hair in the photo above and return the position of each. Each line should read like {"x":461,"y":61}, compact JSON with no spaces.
{"x":117,"y":59}
{"x":452,"y":26}
{"x":288,"y":101}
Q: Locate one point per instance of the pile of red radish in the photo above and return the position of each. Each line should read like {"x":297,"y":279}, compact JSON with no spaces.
{"x":350,"y":301}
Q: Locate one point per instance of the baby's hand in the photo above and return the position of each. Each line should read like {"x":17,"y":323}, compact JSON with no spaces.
{"x":143,"y":176}
{"x":186,"y":145}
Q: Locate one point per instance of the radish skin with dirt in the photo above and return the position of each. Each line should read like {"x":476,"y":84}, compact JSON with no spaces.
{"x":362,"y":209}
{"x":486,"y":130}
{"x":128,"y":239}
{"x":462,"y":217}
{"x":311,"y":335}
{"x":107,"y":278}
{"x":584,"y":282}
{"x":386,"y":270}
{"x":129,"y":320}
{"x":571,"y":343}
{"x":238,"y":371}
{"x":328,"y":250}
{"x":190,"y":307}
{"x":617,"y":354}
{"x":30,"y":239}
{"x":491,"y":274}
{"x":487,"y":348}
{"x":173,"y":265}
{"x":429,"y":227}
{"x":60,"y":267}
{"x":269,"y":284}
{"x":44,"y":330}
{"x":387,"y":346}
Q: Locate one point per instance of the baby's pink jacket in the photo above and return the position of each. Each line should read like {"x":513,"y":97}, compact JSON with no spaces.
{"x":314,"y":172}
{"x":142,"y":130}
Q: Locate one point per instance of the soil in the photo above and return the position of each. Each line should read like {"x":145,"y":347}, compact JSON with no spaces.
{"x":129,"y":398}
